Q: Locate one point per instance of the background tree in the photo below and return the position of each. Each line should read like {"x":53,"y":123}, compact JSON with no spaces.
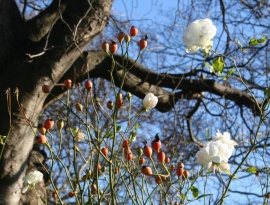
{"x":50,"y":46}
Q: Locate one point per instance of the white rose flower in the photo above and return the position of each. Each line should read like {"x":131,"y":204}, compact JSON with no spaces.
{"x":226,"y":139}
{"x":199,"y":34}
{"x":214,"y":154}
{"x":31,"y":180}
{"x":150,"y":101}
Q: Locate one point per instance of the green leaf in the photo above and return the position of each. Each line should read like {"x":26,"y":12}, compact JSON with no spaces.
{"x":195,"y":191}
{"x":229,"y":173}
{"x":255,"y":41}
{"x":133,"y":133}
{"x":218,"y":65}
{"x":73,"y":131}
{"x":251,"y":169}
{"x":108,"y":134}
{"x":132,"y":136}
{"x":118,"y":128}
{"x":230,"y":72}
{"x":267,"y":92}
{"x":136,"y":126}
{"x":235,"y":176}
{"x":203,"y":195}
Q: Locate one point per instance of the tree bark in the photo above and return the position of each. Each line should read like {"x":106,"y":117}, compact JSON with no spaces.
{"x":141,"y":80}
{"x":40,"y":56}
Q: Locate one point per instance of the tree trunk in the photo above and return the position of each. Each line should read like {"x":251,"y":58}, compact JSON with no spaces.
{"x":27,"y":64}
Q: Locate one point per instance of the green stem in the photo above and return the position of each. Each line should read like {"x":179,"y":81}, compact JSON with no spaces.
{"x":4,"y":143}
{"x":221,"y":201}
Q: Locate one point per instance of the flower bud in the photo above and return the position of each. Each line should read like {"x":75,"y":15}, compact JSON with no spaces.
{"x":181,"y":165}
{"x":179,"y":171}
{"x":113,"y":47}
{"x":68,"y":83}
{"x":185,"y":174}
{"x":133,"y":31}
{"x":143,"y":43}
{"x":88,"y":86}
{"x":120,"y":37}
{"x":79,"y":107}
{"x":172,"y":167}
{"x":129,"y":157}
{"x":127,"y":38}
{"x":60,"y":124}
{"x":48,"y":124}
{"x":141,"y":160}
{"x":119,"y":100}
{"x":105,"y":47}
{"x":71,"y":194}
{"x":146,"y":170}
{"x":140,"y":152}
{"x":110,"y":105}
{"x":41,"y":129}
{"x":167,"y":160}
{"x":125,"y":143}
{"x":150,"y":101}
{"x":129,"y":96}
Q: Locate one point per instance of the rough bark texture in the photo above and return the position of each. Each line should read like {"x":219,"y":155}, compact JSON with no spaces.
{"x":27,"y":63}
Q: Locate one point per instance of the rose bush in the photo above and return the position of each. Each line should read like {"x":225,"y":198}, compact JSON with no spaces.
{"x":199,"y":34}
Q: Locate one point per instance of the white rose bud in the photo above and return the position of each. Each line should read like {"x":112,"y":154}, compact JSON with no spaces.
{"x":199,"y":34}
{"x":31,"y":180}
{"x":150,"y":101}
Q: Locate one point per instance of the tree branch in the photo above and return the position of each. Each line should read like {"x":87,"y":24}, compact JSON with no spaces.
{"x":188,"y":118}
{"x":141,"y":80}
{"x":38,"y":27}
